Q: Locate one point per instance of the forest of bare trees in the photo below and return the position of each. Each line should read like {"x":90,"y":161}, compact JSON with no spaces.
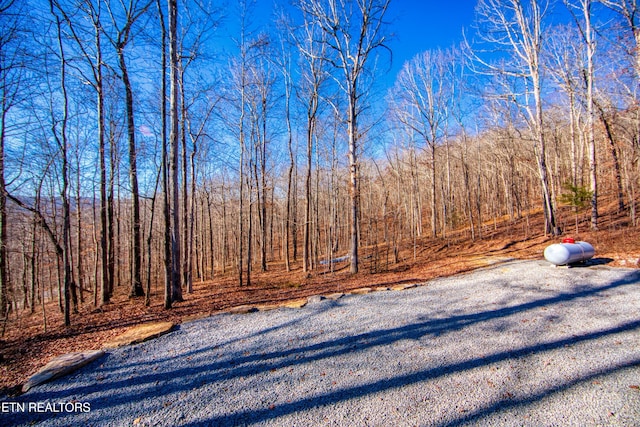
{"x":154,"y":145}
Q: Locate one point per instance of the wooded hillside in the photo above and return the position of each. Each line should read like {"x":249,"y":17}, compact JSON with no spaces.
{"x":156,"y":147}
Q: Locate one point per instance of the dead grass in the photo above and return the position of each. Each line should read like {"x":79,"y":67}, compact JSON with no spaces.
{"x":26,"y":347}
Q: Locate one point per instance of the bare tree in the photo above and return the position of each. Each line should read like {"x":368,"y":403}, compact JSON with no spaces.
{"x":581,"y":11}
{"x":354,"y":31}
{"x":310,"y":41}
{"x":516,"y":27}
{"x":166,"y":198}
{"x":263,"y":78}
{"x":285,"y":67}
{"x":132,"y":11}
{"x":240,"y":81}
{"x":174,"y":142}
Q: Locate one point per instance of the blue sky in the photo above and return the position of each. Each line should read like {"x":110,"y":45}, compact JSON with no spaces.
{"x":427,"y":24}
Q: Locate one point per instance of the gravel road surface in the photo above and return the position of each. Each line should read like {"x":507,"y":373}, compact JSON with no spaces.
{"x":517,"y":343}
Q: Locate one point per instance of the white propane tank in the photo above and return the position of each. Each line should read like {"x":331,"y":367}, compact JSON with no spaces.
{"x":568,"y":252}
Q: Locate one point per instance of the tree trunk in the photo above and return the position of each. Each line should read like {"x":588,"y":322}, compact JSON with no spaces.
{"x":249,"y":226}
{"x":136,"y":242}
{"x":306,"y":245}
{"x":434,"y":224}
{"x":540,"y":151}
{"x":185,"y":205}
{"x":614,"y":155}
{"x":212,"y":256}
{"x":147,"y":300}
{"x":4,"y":284}
{"x":64,"y":252}
{"x":191,"y":219}
{"x":79,"y":256}
{"x":176,"y":286}
{"x":263,"y":184}
{"x":589,"y":77}
{"x":34,"y":260}
{"x":287,"y":228}
{"x":353,"y":183}
{"x":111,"y":217}
{"x":106,"y":282}
{"x":166,"y":199}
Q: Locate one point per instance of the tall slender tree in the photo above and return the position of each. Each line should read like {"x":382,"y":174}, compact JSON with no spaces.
{"x":60,"y":136}
{"x":132,"y":11}
{"x":285,"y":64}
{"x":581,"y":11}
{"x":311,"y":42}
{"x":166,"y":198}
{"x":354,"y":31}
{"x":174,"y":142}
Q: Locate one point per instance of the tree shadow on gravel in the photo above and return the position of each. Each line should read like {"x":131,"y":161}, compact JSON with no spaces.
{"x":262,"y":415}
{"x":473,"y":418}
{"x":203,"y":368}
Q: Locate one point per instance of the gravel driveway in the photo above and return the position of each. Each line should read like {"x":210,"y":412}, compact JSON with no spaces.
{"x":519,"y":343}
